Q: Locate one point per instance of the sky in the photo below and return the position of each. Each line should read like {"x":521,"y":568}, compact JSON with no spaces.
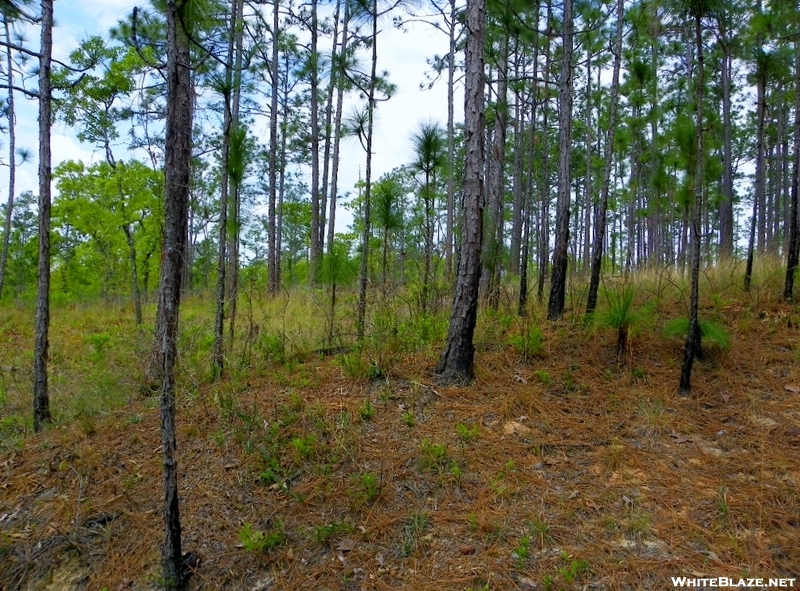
{"x":402,"y":54}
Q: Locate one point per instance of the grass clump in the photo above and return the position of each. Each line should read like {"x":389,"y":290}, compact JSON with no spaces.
{"x":713,"y":335}
{"x":260,"y":542}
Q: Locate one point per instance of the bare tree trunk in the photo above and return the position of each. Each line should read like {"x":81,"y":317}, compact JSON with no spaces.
{"x":602,"y":212}
{"x":544,"y":189}
{"x":326,"y":158}
{"x":316,"y":247}
{"x":794,"y":240}
{"x":363,"y":277}
{"x":218,"y":353}
{"x":456,"y":362}
{"x":516,"y":187}
{"x":558,"y":288}
{"x":692,"y":347}
{"x":137,"y":295}
{"x":337,"y":132}
{"x":12,"y":157}
{"x":236,"y":201}
{"x":726,"y":198}
{"x":178,"y":156}
{"x":451,"y":67}
{"x":41,"y":398}
{"x":273,"y":254}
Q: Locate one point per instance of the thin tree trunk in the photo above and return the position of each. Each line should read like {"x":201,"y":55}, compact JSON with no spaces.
{"x":316,"y":247}
{"x":12,"y":157}
{"x":337,"y":132}
{"x":451,"y":67}
{"x":456,"y":362}
{"x":236,"y":201}
{"x":218,"y":353}
{"x":794,"y":240}
{"x":726,"y":198}
{"x":178,"y":156}
{"x":558,"y":288}
{"x":273,"y":255}
{"x":544,"y":188}
{"x":602,"y":213}
{"x":516,"y":187}
{"x":363,"y":277}
{"x":137,"y":295}
{"x":41,"y":398}
{"x":692,"y":347}
{"x":326,"y":158}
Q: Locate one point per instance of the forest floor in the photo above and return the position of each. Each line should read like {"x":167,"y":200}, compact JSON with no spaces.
{"x":568,"y":470}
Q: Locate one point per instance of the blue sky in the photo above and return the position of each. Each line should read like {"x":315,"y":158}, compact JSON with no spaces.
{"x":403,"y":55}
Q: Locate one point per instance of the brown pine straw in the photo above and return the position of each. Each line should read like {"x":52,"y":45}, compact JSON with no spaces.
{"x":623,"y":474}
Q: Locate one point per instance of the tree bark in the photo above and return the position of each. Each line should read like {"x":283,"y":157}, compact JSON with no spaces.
{"x":692,"y":347}
{"x":602,"y":212}
{"x":558,"y":287}
{"x":176,"y":210}
{"x":273,"y":252}
{"x":363,"y":276}
{"x":316,"y":246}
{"x":726,"y":198}
{"x":41,"y":398}
{"x":12,"y":157}
{"x":457,"y":360}
{"x":794,"y":240}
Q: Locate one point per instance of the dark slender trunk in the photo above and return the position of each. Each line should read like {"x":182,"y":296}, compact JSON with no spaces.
{"x":337,"y":132}
{"x":12,"y":157}
{"x":177,"y":160}
{"x":451,"y":67}
{"x":41,"y":398}
{"x":516,"y":186}
{"x":326,"y":157}
{"x":726,"y":198}
{"x":316,"y":246}
{"x":273,"y":254}
{"x":137,"y":294}
{"x":236,"y":201}
{"x":544,"y":188}
{"x":456,"y":362}
{"x":363,"y":277}
{"x":692,"y":347}
{"x":558,"y":288}
{"x":218,"y":350}
{"x":794,"y":240}
{"x":602,"y":212}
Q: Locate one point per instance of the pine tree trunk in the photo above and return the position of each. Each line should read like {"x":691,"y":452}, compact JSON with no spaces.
{"x":451,"y":67}
{"x":456,"y":362}
{"x":177,"y":160}
{"x":558,"y":287}
{"x":692,"y":347}
{"x":316,"y":247}
{"x":363,"y":276}
{"x":12,"y":158}
{"x":726,"y":197}
{"x":273,"y":254}
{"x":41,"y":398}
{"x":602,"y":212}
{"x":794,"y":240}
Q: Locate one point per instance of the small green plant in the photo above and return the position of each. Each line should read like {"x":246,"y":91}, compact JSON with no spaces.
{"x":456,"y":473}
{"x":323,"y":533}
{"x":540,"y":529}
{"x":432,"y":455}
{"x":408,"y":418}
{"x":372,"y":486}
{"x":366,"y":411}
{"x":261,"y":542}
{"x":304,"y":447}
{"x":722,"y":501}
{"x":523,"y":552}
{"x":574,"y":567}
{"x":98,"y":342}
{"x":528,"y":342}
{"x":414,"y":528}
{"x":622,"y":316}
{"x":542,"y":376}
{"x":711,"y":334}
{"x":467,"y":434}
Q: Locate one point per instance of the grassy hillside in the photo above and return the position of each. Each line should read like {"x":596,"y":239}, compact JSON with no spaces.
{"x":567,"y":464}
